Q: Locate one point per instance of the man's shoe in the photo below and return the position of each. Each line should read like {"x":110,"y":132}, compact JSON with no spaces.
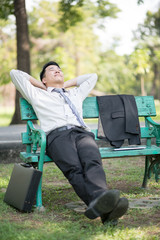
{"x":117,"y":212}
{"x":103,"y":204}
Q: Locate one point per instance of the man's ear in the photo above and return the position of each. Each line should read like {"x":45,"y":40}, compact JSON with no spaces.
{"x":44,"y":81}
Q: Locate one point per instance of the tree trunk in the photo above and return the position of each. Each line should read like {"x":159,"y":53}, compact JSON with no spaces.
{"x":23,"y":49}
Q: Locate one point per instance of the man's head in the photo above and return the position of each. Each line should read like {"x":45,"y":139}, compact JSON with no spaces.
{"x":51,"y":75}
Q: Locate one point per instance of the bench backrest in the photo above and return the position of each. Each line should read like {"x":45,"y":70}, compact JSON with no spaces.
{"x":145,"y":105}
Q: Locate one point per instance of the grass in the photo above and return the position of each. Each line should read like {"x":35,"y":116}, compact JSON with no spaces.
{"x":57,"y":222}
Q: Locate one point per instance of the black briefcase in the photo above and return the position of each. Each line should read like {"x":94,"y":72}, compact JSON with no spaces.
{"x":22,"y":187}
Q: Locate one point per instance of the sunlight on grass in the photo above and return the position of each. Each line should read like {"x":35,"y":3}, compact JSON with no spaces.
{"x":3,"y":182}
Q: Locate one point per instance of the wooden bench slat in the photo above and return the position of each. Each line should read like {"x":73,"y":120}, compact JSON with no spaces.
{"x":109,"y":153}
{"x":105,"y":153}
{"x":146,"y":132}
{"x":29,"y":157}
{"x":145,"y":105}
{"x":33,"y":157}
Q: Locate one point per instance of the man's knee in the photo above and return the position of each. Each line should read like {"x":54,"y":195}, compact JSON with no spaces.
{"x":73,"y":173}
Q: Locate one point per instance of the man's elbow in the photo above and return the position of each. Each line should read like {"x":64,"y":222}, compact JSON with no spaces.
{"x":14,"y":75}
{"x":12,"y":72}
{"x":95,"y":77}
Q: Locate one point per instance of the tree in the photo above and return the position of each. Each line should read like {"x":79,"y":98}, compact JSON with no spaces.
{"x":77,"y":50}
{"x":7,"y":53}
{"x":70,"y":12}
{"x":116,"y":75}
{"x":140,"y":61}
{"x":23,"y":50}
{"x":148,"y":36}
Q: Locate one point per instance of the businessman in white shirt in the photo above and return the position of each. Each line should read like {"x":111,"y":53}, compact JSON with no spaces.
{"x":70,"y":143}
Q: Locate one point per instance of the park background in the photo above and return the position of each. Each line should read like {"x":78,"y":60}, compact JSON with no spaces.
{"x":119,"y":40}
{"x":82,"y":36}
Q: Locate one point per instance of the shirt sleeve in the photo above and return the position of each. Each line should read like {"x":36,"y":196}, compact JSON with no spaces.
{"x":21,"y":81}
{"x":86,"y":83}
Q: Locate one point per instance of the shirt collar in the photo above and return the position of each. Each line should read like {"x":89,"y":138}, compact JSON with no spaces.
{"x":49,"y":89}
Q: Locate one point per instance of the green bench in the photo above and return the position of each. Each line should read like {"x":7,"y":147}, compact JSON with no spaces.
{"x":35,"y":139}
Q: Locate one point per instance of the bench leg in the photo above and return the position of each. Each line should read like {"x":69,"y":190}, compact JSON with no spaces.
{"x":39,"y":205}
{"x":147,"y":160}
{"x":155,"y":167}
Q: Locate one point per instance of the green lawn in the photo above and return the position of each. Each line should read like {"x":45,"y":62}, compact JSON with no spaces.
{"x":58,"y":222}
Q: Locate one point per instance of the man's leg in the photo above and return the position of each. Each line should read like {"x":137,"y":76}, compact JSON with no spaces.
{"x":76,"y":154}
{"x":89,"y":155}
{"x":107,"y":202}
{"x":62,"y":149}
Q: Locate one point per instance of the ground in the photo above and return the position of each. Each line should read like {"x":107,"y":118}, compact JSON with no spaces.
{"x":59,"y":222}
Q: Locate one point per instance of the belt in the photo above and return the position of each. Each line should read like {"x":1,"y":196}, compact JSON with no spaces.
{"x":62,"y":129}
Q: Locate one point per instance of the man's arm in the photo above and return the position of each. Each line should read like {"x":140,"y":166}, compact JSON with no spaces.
{"x":85,"y":84}
{"x":70,"y":83}
{"x":81,"y":79}
{"x":16,"y":74}
{"x":25,"y":84}
{"x":37,"y":83}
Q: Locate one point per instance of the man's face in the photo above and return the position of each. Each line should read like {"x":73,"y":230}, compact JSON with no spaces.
{"x":53,"y":76}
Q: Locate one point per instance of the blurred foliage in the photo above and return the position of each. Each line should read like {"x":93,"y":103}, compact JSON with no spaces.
{"x":77,"y":50}
{"x":54,"y":35}
{"x":148,"y":37}
{"x":116,"y":75}
{"x":6,"y":8}
{"x":71,"y":11}
{"x":150,"y":27}
{"x":7,"y":52}
{"x":139,"y":59}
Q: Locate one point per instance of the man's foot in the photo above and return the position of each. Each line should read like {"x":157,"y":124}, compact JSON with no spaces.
{"x":117,"y":212}
{"x":103,"y":204}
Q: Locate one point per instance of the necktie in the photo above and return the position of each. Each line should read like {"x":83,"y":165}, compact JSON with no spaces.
{"x":71,"y":105}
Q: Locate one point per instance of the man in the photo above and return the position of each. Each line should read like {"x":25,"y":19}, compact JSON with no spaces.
{"x":70,"y":143}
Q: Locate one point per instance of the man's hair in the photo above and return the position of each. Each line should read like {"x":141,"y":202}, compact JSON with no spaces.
{"x":45,"y":66}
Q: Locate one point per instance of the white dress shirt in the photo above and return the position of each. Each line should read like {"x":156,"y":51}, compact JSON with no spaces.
{"x":51,"y":109}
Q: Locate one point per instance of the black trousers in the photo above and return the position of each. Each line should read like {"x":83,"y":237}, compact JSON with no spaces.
{"x":76,"y":153}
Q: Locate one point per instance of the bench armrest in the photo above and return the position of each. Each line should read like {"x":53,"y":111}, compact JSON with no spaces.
{"x":150,"y":121}
{"x":38,"y":136}
{"x":156,"y":129}
{"x":35,"y":138}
